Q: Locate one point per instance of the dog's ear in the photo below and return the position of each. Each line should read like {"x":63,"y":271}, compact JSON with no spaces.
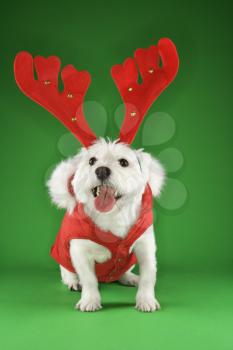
{"x":60,"y":186}
{"x":152,"y":170}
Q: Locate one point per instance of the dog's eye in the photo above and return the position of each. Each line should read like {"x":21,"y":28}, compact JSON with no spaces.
{"x":123,"y":162}
{"x":92,"y":160}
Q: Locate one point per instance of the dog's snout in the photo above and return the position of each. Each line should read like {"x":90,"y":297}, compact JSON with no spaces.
{"x":102,"y":172}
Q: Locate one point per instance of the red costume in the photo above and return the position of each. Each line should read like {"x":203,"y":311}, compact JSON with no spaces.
{"x":79,"y":226}
{"x":67,"y":106}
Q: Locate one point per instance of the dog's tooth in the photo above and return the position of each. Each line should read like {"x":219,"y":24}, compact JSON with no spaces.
{"x":98,"y":190}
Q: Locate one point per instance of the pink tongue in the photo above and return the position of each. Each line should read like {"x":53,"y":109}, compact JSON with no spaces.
{"x":105,"y":200}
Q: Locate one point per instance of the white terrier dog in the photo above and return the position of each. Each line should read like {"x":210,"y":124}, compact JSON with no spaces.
{"x":123,"y":173}
{"x":107,"y":188}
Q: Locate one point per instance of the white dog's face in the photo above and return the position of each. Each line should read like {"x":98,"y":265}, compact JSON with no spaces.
{"x":105,"y":176}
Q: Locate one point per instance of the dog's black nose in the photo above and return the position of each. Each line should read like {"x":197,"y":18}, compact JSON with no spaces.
{"x":102,"y":172}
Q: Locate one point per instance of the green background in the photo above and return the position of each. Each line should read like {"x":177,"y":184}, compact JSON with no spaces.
{"x":195,"y":285}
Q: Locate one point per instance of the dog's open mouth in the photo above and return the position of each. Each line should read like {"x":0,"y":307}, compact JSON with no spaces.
{"x":105,"y":197}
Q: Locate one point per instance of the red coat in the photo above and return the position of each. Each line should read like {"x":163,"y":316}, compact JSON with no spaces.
{"x":79,"y":225}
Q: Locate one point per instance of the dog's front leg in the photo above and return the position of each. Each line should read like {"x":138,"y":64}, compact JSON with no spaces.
{"x":84,"y":263}
{"x":145,"y":249}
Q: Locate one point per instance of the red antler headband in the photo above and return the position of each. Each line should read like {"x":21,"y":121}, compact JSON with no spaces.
{"x":67,"y":106}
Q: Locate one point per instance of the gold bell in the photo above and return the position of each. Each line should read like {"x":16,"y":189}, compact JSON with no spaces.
{"x":73,"y":119}
{"x":133,"y":114}
{"x":47,"y":82}
{"x":130,"y":89}
{"x":151,"y":70}
{"x":69,"y":95}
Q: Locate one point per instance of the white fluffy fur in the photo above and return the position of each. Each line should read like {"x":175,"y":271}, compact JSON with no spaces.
{"x":57,"y":184}
{"x":130,"y":182}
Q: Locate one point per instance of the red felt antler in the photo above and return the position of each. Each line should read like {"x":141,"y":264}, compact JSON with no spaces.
{"x":67,"y":106}
{"x":139,"y":97}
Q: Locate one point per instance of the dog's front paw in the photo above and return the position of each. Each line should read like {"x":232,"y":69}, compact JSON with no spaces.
{"x":89,"y":304}
{"x":147,"y":303}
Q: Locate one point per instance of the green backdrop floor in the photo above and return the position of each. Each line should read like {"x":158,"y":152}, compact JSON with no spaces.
{"x":37,"y":312}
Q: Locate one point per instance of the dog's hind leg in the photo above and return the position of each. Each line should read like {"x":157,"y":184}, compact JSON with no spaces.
{"x":70,"y":279}
{"x":129,"y":279}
